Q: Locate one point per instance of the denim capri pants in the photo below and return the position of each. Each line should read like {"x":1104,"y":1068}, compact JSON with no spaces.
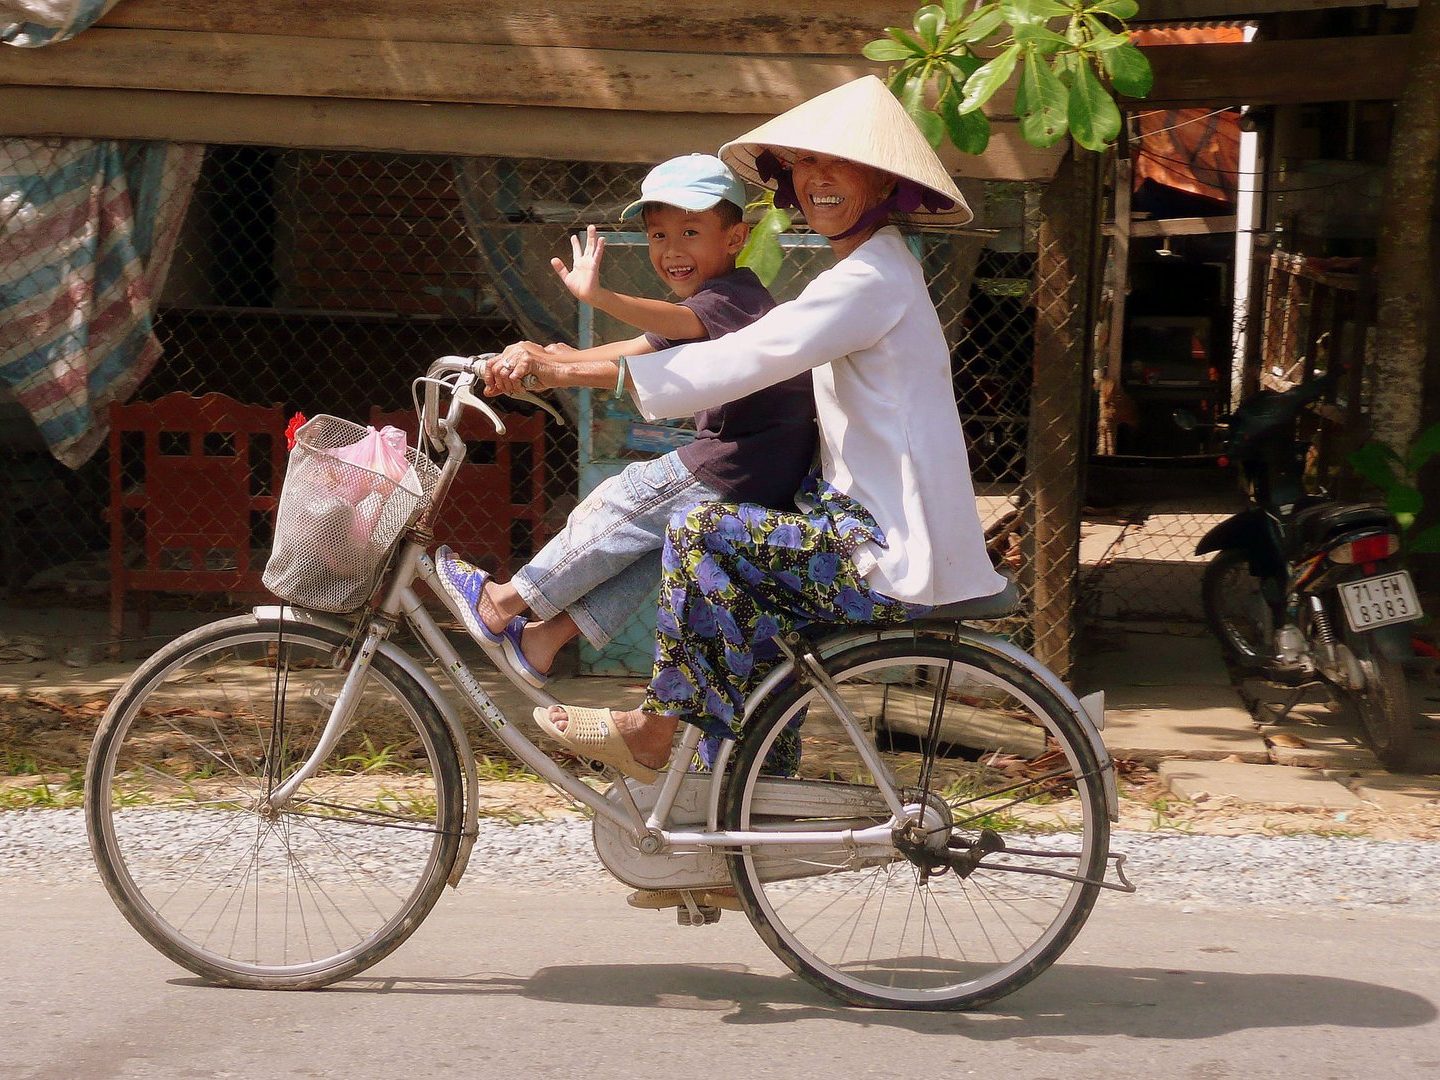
{"x":605,"y":563}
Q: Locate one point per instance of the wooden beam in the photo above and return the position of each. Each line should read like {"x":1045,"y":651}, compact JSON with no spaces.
{"x":758,"y":26}
{"x":1161,"y":11}
{"x":429,"y":71}
{"x":1190,"y":226}
{"x":425,"y":128}
{"x":1276,"y":72}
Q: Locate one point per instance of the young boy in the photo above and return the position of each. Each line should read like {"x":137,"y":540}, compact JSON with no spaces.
{"x":606,"y":562}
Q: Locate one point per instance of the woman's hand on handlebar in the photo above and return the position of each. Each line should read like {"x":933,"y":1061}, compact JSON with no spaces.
{"x":523,"y":366}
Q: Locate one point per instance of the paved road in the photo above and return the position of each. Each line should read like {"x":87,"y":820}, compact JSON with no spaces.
{"x":507,"y":983}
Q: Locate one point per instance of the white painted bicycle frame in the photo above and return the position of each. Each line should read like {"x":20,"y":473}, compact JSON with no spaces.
{"x":649,"y":831}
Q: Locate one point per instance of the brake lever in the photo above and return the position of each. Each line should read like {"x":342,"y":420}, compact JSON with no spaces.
{"x":466,"y":397}
{"x":536,"y":400}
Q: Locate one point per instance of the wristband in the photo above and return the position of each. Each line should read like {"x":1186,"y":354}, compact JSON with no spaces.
{"x":619,"y":377}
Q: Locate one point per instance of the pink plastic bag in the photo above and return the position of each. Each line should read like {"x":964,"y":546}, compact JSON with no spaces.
{"x":381,"y":454}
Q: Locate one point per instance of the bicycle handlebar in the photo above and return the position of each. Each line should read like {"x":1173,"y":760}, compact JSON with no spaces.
{"x":459,"y":374}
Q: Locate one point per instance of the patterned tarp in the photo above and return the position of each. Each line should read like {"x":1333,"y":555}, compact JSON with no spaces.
{"x":87,"y":229}
{"x":33,"y":23}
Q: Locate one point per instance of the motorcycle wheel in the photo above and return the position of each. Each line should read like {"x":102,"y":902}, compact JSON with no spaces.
{"x":1383,"y":710}
{"x":1235,"y":608}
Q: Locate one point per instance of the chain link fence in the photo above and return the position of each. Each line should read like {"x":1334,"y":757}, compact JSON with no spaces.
{"x":324,"y":282}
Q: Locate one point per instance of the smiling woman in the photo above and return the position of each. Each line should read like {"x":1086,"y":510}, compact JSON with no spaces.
{"x":837,"y":195}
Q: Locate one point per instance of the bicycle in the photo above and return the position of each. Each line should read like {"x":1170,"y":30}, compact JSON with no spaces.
{"x":276,"y":800}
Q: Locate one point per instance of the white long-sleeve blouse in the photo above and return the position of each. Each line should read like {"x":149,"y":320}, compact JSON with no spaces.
{"x":890,"y":433}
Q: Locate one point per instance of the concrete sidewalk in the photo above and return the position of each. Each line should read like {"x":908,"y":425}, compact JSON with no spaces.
{"x":1170,"y":705}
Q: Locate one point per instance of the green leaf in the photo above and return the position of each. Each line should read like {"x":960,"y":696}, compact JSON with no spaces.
{"x":1023,"y":12}
{"x":1425,"y":446}
{"x":1120,"y":9}
{"x":1066,"y":65}
{"x":1129,"y":71}
{"x":982,"y":23}
{"x":1425,"y":542}
{"x":885,"y":50}
{"x":1375,"y":462}
{"x":954,"y":9}
{"x":1404,"y":499}
{"x":902,"y":37}
{"x":963,"y":67}
{"x":1101,"y":36}
{"x":762,"y":252}
{"x":1041,"y":102}
{"x":1094,"y":117}
{"x":970,"y":132}
{"x":913,"y":98}
{"x":1041,"y":36}
{"x":992,"y":75}
{"x":928,"y":21}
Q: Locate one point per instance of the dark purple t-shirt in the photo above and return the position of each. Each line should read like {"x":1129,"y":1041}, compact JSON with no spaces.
{"x":757,"y":449}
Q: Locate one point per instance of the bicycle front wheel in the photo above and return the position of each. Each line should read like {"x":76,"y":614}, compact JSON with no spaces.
{"x":206,"y":871}
{"x":990,"y":766}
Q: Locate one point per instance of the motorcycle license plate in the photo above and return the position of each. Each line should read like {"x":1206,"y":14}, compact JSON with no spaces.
{"x":1380,"y":601}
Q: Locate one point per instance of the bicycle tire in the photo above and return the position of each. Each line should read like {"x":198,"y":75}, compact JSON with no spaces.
{"x":810,"y":909}
{"x":213,"y":879}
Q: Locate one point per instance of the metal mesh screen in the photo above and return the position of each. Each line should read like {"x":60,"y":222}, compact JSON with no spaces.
{"x":323,"y":282}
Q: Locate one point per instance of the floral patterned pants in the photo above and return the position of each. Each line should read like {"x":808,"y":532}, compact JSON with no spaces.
{"x":736,"y":577}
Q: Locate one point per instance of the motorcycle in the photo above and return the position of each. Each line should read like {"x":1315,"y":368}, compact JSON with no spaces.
{"x":1304,"y":589}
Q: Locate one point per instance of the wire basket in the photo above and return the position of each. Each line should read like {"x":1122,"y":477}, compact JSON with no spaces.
{"x":338,"y":521}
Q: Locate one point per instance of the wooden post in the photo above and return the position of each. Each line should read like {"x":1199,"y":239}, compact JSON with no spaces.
{"x":1059,"y":395}
{"x":1117,"y":274}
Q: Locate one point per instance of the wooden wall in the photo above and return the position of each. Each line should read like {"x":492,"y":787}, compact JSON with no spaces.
{"x":603,"y":80}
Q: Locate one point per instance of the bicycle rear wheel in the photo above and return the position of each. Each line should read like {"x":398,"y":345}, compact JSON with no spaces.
{"x":211,"y":876}
{"x":989,"y":763}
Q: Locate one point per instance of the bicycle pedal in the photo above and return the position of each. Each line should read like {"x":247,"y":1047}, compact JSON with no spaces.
{"x":703,"y":915}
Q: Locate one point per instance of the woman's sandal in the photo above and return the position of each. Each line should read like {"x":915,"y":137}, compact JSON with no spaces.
{"x":592,"y":733}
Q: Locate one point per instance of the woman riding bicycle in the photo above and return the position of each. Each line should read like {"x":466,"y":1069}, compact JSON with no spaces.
{"x":889,"y":527}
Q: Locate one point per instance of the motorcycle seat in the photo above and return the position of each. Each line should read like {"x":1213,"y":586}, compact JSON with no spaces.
{"x":1315,"y":524}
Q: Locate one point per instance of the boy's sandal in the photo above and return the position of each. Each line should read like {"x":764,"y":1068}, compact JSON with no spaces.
{"x":515,"y":654}
{"x":591,"y":733}
{"x":660,"y":899}
{"x":463,"y":586}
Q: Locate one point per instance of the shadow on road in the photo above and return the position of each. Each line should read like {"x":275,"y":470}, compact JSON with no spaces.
{"x":1067,"y":1000}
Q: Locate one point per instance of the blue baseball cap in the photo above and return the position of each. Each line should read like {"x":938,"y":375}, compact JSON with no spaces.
{"x":691,"y":182}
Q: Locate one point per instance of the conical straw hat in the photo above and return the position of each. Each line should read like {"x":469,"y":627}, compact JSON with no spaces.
{"x":860,"y":121}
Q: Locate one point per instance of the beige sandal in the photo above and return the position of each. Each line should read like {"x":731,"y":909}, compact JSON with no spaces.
{"x":591,"y":733}
{"x":660,"y":899}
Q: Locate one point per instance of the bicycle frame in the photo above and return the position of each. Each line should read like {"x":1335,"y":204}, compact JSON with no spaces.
{"x":650,"y":831}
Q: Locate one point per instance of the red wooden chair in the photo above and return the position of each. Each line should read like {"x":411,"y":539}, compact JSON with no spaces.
{"x":494,"y":514}
{"x":194,"y":483}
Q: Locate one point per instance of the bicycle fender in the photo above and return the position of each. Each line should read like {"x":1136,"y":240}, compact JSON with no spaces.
{"x":1089,"y":712}
{"x":442,"y":701}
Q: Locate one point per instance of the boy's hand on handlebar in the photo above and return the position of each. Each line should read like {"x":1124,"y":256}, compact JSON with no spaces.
{"x":583,"y":277}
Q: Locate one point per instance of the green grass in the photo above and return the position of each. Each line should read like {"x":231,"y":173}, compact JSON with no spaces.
{"x":65,"y":795}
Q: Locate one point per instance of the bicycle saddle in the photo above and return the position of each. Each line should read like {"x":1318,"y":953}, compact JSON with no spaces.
{"x":1005,"y":602}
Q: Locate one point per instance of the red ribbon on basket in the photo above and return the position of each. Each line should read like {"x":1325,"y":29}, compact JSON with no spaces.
{"x":296,"y":422}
